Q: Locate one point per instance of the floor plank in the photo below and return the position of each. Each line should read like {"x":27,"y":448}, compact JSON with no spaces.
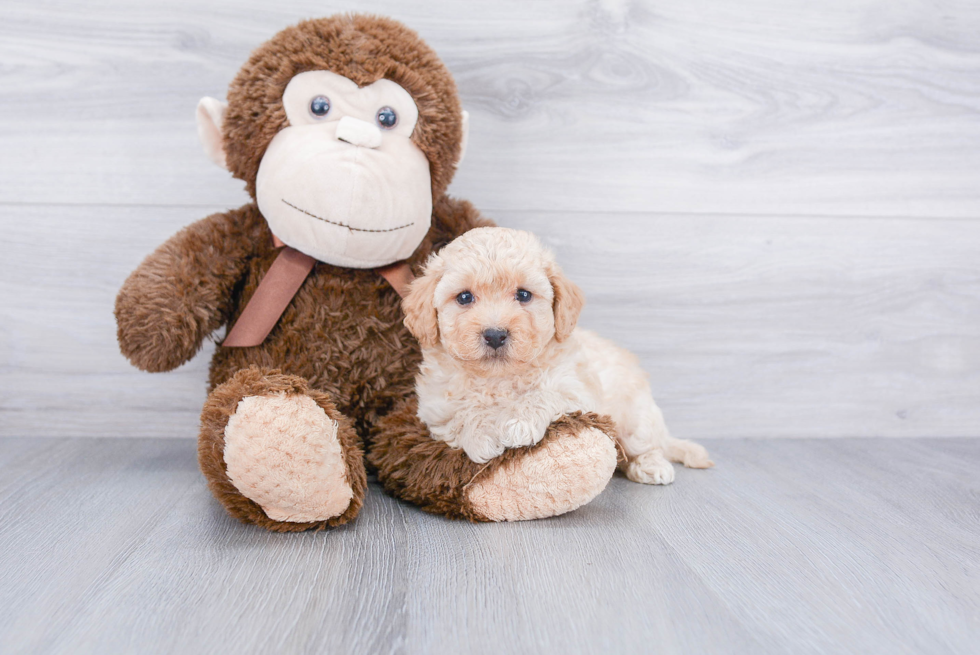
{"x":803,"y":546}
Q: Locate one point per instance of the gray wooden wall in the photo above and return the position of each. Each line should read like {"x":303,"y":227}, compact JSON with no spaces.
{"x":776,"y":203}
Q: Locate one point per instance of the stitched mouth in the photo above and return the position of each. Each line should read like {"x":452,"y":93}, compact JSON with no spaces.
{"x":344,"y":225}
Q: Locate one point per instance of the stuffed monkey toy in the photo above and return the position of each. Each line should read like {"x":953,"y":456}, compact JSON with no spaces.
{"x":346,"y":131}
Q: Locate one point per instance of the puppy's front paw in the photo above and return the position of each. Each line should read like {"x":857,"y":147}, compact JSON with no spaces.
{"x":519,"y":433}
{"x":650,"y":468}
{"x":482,"y":450}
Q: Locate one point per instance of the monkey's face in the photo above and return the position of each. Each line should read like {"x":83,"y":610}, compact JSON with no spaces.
{"x":343,"y":182}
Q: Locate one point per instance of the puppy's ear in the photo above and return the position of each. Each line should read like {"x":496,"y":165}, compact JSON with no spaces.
{"x":419,"y":306}
{"x":568,"y":302}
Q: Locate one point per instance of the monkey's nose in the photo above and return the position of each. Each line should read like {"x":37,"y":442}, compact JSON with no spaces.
{"x":495,"y":337}
{"x":358,"y":132}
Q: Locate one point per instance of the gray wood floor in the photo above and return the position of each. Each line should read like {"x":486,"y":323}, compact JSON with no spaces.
{"x":788,"y":546}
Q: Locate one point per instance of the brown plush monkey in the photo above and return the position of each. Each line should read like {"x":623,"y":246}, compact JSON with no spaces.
{"x":346,"y":131}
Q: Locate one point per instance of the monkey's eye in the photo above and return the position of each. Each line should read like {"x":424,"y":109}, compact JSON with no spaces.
{"x":464,"y":298}
{"x":387,"y":117}
{"x":320,"y":106}
{"x":523,"y":295}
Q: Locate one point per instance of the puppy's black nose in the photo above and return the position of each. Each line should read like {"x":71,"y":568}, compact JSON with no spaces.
{"x":494,"y":337}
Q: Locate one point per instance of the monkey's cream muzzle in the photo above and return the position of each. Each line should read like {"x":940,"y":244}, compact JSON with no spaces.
{"x":340,"y":188}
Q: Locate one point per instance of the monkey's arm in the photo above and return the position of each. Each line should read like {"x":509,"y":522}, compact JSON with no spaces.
{"x":183,"y":291}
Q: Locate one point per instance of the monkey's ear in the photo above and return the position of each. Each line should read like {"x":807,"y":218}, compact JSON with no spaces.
{"x":210,"y":118}
{"x":567,"y":304}
{"x":419,"y":305}
{"x":465,"y":139}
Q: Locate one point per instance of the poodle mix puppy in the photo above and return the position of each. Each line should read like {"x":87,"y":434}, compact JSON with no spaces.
{"x":502,"y":357}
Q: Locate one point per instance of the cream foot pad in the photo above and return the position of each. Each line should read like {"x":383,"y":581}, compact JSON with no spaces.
{"x":561,"y":475}
{"x":282,"y":452}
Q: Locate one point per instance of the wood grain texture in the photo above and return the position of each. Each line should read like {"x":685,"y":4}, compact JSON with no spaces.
{"x":848,"y":107}
{"x":775,"y":204}
{"x":747,"y":326}
{"x":788,"y":546}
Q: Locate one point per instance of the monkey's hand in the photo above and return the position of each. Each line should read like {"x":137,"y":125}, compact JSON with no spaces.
{"x":182,"y":291}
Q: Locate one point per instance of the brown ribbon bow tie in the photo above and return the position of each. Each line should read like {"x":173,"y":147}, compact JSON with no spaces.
{"x":280,"y":284}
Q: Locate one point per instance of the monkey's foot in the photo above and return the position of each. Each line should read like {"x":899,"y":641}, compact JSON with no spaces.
{"x":565,"y":470}
{"x":282,"y":452}
{"x":569,"y":467}
{"x":278,"y":454}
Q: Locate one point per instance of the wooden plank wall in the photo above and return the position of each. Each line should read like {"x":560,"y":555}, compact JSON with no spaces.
{"x":775,"y":203}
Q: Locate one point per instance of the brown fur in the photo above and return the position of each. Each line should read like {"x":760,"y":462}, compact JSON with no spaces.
{"x":221,"y":404}
{"x":184,"y":290}
{"x":414,"y":467}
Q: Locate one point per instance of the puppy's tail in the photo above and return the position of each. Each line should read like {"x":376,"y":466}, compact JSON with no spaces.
{"x":688,"y":453}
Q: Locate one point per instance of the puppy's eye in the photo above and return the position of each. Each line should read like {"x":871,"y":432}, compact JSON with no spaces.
{"x":523,"y":295}
{"x":464,"y":298}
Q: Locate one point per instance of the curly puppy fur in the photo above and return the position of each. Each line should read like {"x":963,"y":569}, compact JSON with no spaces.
{"x":341,"y":340}
{"x":502,"y":360}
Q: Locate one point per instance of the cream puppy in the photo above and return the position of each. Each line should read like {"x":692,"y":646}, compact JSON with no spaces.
{"x":496,"y":318}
